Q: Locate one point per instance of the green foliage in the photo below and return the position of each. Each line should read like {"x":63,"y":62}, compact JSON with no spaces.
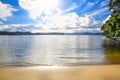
{"x":112,"y":27}
{"x":114,"y":4}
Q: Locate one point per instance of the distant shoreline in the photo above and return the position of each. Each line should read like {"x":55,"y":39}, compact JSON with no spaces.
{"x":29,"y":33}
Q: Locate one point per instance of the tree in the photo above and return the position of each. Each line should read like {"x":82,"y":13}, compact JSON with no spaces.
{"x":114,"y":4}
{"x":111,"y":28}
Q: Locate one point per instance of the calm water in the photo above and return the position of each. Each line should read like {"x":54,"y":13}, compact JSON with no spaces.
{"x":57,"y":50}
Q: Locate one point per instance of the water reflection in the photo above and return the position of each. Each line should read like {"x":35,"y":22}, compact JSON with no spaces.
{"x":66,"y":50}
{"x":112,"y":51}
{"x":58,"y":50}
{"x":13,"y":49}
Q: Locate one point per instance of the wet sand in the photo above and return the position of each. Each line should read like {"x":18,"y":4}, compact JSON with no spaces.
{"x":96,"y":72}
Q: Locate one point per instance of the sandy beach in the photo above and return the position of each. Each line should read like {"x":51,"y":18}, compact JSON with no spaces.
{"x":92,"y":72}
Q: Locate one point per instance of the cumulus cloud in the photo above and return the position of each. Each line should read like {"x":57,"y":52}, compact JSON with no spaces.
{"x":33,"y":7}
{"x":15,"y":27}
{"x":3,"y":27}
{"x":37,"y":7}
{"x":6,"y":11}
{"x":67,"y":23}
{"x":54,"y":20}
{"x":70,"y":20}
{"x":86,"y":21}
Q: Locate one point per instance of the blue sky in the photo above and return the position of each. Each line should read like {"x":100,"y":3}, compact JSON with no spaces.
{"x":68,"y":16}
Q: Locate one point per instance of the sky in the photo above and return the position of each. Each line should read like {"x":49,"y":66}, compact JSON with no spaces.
{"x":68,"y":16}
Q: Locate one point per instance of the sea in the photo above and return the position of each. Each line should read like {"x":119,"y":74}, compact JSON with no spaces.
{"x":58,"y":50}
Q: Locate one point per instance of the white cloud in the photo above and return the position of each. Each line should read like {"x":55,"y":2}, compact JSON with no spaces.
{"x":99,"y":11}
{"x":6,"y":11}
{"x":74,"y":6}
{"x":67,"y":23}
{"x":54,"y":20}
{"x":86,"y":21}
{"x":89,"y":5}
{"x":104,"y":3}
{"x":48,"y":12}
{"x":15,"y":27}
{"x":1,"y":22}
{"x":3,"y":27}
{"x":37,"y":7}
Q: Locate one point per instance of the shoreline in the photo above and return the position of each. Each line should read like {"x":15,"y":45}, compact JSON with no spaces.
{"x":87,"y":72}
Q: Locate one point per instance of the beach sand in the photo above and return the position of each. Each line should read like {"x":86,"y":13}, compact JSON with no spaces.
{"x":92,"y":72}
